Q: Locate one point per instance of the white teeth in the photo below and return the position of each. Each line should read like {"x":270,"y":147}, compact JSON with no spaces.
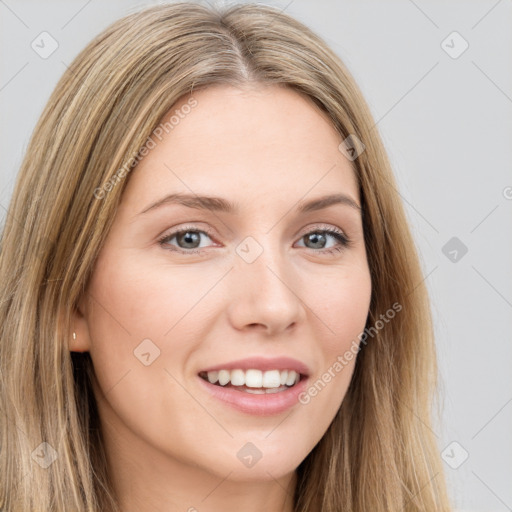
{"x":224,"y":377}
{"x":254,"y":378}
{"x":237,"y":377}
{"x":290,"y":380}
{"x":213,"y":377}
{"x":272,"y":380}
{"x":266,"y":391}
{"x":275,"y":390}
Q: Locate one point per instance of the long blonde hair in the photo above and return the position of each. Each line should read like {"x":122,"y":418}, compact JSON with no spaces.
{"x":379,"y":453}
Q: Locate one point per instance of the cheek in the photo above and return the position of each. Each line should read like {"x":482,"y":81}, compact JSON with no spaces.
{"x":341,"y":301}
{"x":127,"y":317}
{"x":145,"y":319}
{"x":134,"y":300}
{"x":141,"y":338}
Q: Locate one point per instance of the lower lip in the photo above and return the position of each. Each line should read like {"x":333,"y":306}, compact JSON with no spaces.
{"x":259,"y":405}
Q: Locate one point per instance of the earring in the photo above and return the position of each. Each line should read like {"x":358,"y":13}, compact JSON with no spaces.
{"x":74,"y":335}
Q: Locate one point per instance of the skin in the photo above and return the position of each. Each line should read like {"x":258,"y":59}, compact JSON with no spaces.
{"x":172,"y":447}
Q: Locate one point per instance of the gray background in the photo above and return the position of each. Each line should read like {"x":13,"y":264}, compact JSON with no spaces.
{"x":447,"y":125}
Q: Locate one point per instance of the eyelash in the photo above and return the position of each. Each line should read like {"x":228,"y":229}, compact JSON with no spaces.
{"x":344,"y":241}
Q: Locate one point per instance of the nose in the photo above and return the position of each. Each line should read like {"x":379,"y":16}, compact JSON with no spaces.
{"x":264,"y":294}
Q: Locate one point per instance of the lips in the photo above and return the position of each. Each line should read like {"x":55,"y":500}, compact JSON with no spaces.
{"x":261,"y":401}
{"x":257,"y":385}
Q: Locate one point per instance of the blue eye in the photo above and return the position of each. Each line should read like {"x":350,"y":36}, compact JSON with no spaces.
{"x":188,"y":240}
{"x":322,"y":236}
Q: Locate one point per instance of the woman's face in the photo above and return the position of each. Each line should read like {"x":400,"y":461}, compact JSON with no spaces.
{"x":262,"y":286}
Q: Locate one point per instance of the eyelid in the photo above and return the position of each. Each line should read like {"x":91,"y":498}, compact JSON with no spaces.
{"x":320,"y":226}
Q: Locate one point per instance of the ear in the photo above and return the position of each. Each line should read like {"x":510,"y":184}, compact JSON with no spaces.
{"x":80,"y":327}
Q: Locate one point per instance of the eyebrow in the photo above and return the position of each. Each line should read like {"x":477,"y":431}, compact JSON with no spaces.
{"x":219,"y":204}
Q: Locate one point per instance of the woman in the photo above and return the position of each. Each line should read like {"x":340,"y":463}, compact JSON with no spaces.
{"x":211,"y":296}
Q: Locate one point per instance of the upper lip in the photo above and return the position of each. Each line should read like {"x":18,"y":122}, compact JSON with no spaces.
{"x":263,"y":364}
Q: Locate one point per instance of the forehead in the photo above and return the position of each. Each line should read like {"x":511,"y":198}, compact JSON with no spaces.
{"x":257,"y":143}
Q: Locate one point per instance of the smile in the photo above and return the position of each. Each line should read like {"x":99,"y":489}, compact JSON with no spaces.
{"x":253,"y":380}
